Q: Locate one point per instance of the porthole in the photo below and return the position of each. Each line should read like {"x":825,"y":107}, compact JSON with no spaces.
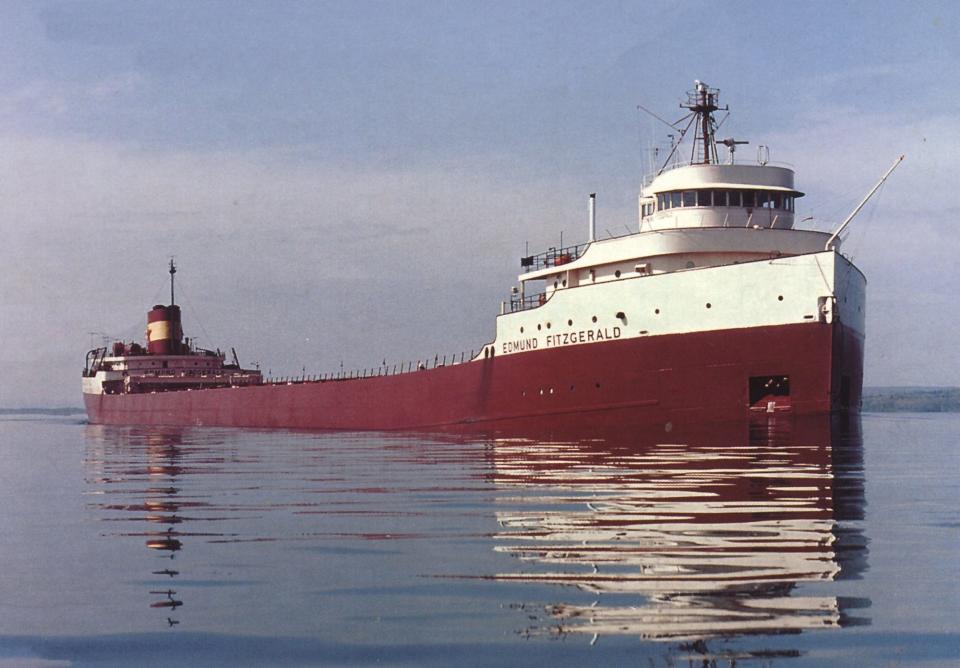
{"x":541,"y":391}
{"x":594,"y":318}
{"x":569,"y":323}
{"x":656,"y":311}
{"x":551,"y":390}
{"x":573,"y":387}
{"x":555,"y":284}
{"x":708,"y":305}
{"x":617,"y":273}
{"x":539,"y":327}
{"x":690,"y":264}
{"x":564,"y":284}
{"x":548,"y":325}
{"x":523,"y":393}
{"x":597,"y":385}
{"x":521,"y":330}
{"x":779,"y":298}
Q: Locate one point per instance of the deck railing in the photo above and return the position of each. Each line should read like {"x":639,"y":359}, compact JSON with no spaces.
{"x":552,"y":257}
{"x":518,"y":303}
{"x":687,"y":162}
{"x":385,"y":368}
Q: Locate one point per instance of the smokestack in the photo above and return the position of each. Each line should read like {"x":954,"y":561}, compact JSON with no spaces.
{"x":592,"y":231}
{"x":164,"y":331}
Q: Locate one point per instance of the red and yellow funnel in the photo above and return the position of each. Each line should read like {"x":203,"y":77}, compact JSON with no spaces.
{"x":164,"y":332}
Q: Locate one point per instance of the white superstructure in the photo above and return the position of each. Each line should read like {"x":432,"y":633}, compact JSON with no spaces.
{"x":779,"y":289}
{"x":715,"y":249}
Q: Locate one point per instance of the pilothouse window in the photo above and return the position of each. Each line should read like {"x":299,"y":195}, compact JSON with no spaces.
{"x":733,"y":198}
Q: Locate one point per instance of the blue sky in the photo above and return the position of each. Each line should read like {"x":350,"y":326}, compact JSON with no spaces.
{"x":355,"y":181}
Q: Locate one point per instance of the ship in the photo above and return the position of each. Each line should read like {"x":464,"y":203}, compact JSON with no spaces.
{"x":714,"y":307}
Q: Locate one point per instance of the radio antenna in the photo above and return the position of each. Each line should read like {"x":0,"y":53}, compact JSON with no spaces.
{"x":665,"y":122}
{"x":674,"y":147}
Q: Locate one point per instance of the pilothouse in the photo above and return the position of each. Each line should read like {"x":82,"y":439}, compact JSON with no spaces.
{"x":707,"y":193}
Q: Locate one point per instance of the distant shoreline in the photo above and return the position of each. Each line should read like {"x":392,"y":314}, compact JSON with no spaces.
{"x":875,"y":400}
{"x":911,"y":399}
{"x":41,"y":411}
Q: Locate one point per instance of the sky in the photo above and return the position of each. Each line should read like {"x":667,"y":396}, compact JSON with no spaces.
{"x":348,"y":182}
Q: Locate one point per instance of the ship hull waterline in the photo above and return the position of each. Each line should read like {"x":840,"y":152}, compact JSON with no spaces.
{"x":696,"y":376}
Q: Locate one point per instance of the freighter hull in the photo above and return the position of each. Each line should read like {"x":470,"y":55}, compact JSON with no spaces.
{"x":698,"y":376}
{"x":714,"y":309}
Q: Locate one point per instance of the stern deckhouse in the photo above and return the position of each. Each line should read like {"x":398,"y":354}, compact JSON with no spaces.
{"x":169,"y":362}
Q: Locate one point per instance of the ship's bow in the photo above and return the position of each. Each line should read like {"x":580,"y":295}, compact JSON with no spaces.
{"x":848,"y":314}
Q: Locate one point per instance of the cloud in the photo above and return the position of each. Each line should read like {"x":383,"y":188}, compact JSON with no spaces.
{"x":48,"y":100}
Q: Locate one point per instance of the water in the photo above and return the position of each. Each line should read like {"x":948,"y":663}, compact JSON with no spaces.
{"x":779,"y":544}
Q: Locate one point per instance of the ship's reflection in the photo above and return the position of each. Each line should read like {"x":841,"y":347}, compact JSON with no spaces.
{"x":679,"y":535}
{"x":686,"y":537}
{"x":138,"y":471}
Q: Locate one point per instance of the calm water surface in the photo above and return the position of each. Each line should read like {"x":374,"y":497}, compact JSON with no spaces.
{"x":784,"y":543}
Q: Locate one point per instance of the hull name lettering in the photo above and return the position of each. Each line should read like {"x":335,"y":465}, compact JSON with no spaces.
{"x":520,"y":345}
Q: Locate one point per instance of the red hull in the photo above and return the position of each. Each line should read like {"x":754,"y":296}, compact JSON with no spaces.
{"x":699,"y":376}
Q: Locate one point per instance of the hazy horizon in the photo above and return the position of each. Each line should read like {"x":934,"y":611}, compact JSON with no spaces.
{"x":356,"y":182}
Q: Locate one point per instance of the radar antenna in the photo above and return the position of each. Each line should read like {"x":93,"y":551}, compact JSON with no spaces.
{"x":731,"y":145}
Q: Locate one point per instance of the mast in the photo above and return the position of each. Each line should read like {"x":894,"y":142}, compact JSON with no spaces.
{"x":173,"y":270}
{"x":702,"y":102}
